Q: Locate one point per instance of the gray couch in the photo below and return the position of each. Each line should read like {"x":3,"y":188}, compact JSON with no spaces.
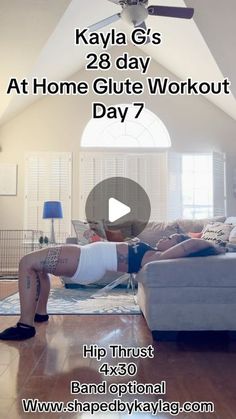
{"x":189,"y":294}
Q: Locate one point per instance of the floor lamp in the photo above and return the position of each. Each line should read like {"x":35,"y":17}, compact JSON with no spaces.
{"x":52,"y":210}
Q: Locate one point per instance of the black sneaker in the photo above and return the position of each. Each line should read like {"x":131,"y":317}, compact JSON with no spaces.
{"x":19,"y":332}
{"x":39,"y":318}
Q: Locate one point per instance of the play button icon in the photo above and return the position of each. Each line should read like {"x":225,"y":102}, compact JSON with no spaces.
{"x":121,"y":203}
{"x":117,"y":210}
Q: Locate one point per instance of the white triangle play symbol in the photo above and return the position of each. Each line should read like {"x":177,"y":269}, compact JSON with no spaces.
{"x":117,"y":209}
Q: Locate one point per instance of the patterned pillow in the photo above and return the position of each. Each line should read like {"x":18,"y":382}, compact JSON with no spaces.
{"x":217,"y":232}
{"x":84,"y":233}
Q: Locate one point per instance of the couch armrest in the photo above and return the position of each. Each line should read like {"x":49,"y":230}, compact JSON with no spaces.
{"x":219,"y":271}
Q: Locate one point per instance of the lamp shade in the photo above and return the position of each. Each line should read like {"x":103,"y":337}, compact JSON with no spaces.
{"x":52,"y":209}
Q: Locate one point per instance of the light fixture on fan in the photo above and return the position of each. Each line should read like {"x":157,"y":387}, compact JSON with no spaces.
{"x":134,"y":15}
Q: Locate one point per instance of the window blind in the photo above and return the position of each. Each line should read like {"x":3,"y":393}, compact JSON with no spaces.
{"x":160,"y":174}
{"x":48,"y":178}
{"x":175,"y":199}
{"x":219,"y":198}
{"x":148,"y":170}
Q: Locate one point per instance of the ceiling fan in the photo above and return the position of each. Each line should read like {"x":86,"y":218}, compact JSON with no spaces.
{"x":136,"y":11}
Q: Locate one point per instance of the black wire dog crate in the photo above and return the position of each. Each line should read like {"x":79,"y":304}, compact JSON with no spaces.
{"x":14,"y":244}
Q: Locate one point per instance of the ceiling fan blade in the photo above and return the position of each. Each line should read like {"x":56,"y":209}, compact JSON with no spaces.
{"x":104,"y":22}
{"x":143,"y":26}
{"x":168,"y":11}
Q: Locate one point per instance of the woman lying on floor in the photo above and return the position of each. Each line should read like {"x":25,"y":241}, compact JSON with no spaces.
{"x":88,"y":264}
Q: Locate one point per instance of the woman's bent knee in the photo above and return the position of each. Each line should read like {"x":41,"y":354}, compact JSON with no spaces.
{"x":32,"y":261}
{"x":26,"y":262}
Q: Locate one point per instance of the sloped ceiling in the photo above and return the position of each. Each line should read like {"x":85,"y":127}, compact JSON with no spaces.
{"x":25,"y":27}
{"x":216,"y":21}
{"x":36,"y":40}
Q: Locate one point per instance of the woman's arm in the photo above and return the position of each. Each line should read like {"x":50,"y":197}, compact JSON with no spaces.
{"x":185,"y":248}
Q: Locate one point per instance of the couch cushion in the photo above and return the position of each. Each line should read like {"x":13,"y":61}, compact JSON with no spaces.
{"x":197,"y":226}
{"x":207,"y":271}
{"x":155,"y":231}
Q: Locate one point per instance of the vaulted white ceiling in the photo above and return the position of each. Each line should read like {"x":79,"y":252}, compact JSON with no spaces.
{"x":36,"y":39}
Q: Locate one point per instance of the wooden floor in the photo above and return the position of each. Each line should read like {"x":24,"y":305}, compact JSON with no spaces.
{"x":43,"y":367}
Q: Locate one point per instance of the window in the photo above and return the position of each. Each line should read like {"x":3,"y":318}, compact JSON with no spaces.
{"x":148,"y":170}
{"x":147,"y":131}
{"x":203,"y":192}
{"x":48,"y":178}
{"x":178,"y":185}
{"x":197,"y":186}
{"x":130,"y":149}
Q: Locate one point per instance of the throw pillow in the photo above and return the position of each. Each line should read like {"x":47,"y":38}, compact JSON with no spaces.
{"x":232,"y":236}
{"x":84,"y":233}
{"x":114,"y":236}
{"x":230,"y":220}
{"x":125,"y":228}
{"x":99,"y":228}
{"x":217,"y":232}
{"x":197,"y":225}
{"x":195,"y":235}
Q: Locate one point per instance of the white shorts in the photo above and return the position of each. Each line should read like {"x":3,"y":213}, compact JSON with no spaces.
{"x":95,"y":259}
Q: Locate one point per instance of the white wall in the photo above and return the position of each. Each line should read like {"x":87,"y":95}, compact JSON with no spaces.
{"x":57,"y":123}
